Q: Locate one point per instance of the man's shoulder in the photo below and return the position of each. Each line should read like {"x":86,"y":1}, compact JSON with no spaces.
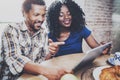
{"x":10,"y":26}
{"x":14,"y":25}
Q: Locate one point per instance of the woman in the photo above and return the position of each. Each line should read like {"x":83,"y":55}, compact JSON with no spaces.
{"x":66,"y":23}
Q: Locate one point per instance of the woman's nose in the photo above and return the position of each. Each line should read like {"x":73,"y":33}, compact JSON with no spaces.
{"x":66,"y":16}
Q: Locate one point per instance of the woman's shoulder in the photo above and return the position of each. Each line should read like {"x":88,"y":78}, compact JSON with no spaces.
{"x":84,"y":32}
{"x":84,"y":29}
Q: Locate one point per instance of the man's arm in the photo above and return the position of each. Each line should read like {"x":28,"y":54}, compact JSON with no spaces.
{"x":12,"y":53}
{"x":18,"y":62}
{"x":51,"y":72}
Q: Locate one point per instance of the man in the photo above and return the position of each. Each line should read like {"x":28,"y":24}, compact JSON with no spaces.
{"x":24,"y":45}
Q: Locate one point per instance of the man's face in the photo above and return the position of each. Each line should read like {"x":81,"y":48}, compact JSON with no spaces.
{"x":35,"y":17}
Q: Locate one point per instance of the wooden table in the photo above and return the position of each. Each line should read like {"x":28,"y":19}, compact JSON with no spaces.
{"x":69,"y":62}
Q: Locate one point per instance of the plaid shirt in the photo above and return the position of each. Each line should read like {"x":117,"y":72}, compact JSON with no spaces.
{"x":18,"y":48}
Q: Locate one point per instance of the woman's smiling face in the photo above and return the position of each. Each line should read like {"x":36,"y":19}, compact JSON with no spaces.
{"x":65,"y":18}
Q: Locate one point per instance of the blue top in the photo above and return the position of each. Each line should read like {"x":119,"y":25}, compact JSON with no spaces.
{"x":73,"y":44}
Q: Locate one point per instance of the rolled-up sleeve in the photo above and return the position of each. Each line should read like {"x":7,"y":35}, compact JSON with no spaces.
{"x":12,"y":53}
{"x":86,"y":32}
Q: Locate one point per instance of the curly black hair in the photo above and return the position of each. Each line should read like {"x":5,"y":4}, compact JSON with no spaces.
{"x":78,"y":20}
{"x":27,"y":4}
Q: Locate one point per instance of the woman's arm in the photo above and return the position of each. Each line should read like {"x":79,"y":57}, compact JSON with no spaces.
{"x":91,"y":41}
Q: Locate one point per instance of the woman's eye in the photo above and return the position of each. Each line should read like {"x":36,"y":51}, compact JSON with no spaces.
{"x":61,"y":15}
{"x":68,"y":13}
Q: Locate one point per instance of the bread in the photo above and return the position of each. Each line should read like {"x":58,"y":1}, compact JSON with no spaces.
{"x":111,"y":73}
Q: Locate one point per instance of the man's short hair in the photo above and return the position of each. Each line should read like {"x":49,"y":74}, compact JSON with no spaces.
{"x":27,"y":4}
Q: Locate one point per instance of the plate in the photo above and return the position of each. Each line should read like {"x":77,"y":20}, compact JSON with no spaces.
{"x":111,"y":60}
{"x":97,"y":71}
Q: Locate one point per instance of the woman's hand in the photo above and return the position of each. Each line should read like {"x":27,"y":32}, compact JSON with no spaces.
{"x":107,"y":50}
{"x":93,"y":44}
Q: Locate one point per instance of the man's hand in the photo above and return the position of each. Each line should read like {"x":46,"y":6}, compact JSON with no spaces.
{"x":54,"y":46}
{"x":54,"y":73}
{"x":51,"y":72}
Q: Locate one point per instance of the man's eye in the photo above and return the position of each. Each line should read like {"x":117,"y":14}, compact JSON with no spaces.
{"x":36,"y":15}
{"x":43,"y":15}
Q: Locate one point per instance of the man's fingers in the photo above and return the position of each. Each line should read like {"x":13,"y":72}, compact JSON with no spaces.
{"x":50,"y":40}
{"x":59,"y":43}
{"x":56,"y":43}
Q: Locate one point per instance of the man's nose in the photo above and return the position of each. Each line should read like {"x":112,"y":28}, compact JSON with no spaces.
{"x":40,"y":18}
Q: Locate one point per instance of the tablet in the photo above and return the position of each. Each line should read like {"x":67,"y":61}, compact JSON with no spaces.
{"x":90,"y":56}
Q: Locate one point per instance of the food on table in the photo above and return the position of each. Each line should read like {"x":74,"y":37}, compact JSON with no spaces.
{"x":111,"y":73}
